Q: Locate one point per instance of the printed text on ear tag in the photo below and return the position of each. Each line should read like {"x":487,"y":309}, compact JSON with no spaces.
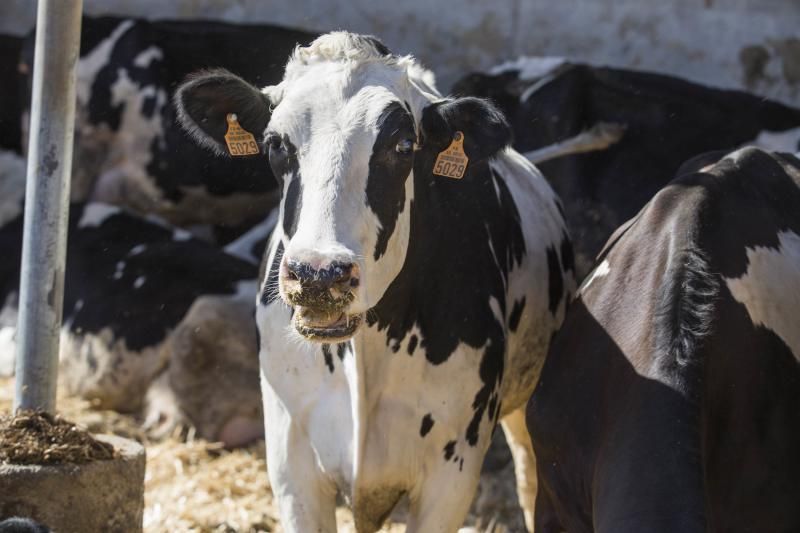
{"x":452,"y":161}
{"x":240,"y":141}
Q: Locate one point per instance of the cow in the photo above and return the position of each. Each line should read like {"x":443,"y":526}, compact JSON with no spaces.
{"x":670,"y":398}
{"x":128,"y":148}
{"x":666,"y":121}
{"x":410,"y":289}
{"x":155,"y":321}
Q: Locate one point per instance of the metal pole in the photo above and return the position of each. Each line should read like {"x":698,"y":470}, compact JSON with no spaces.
{"x":58,"y":28}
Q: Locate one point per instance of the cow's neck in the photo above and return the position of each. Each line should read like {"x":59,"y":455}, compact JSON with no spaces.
{"x":465,"y":237}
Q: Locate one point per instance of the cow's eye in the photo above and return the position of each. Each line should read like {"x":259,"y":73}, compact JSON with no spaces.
{"x":406,"y":146}
{"x":275,"y":142}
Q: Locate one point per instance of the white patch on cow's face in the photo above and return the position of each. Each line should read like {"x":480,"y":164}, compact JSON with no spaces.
{"x":601,"y":270}
{"x":770,"y":289}
{"x":332,"y":113}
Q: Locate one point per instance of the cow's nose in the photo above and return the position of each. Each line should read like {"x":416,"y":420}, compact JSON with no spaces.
{"x":337,"y":275}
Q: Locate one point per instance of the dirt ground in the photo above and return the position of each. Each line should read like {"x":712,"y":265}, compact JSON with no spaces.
{"x":192,"y":485}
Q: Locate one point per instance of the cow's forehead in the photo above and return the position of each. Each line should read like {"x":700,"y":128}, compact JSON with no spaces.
{"x":336,"y":98}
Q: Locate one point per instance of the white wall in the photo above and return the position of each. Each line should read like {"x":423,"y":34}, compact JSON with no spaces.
{"x":751,"y":44}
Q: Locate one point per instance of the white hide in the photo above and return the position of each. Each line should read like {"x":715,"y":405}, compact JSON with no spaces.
{"x":599,"y":271}
{"x":770,"y":289}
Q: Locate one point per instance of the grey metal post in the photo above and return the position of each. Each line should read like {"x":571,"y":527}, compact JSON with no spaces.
{"x":58,"y":28}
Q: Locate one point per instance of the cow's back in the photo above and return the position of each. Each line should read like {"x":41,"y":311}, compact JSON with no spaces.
{"x":665,"y":402}
{"x":751,"y":397}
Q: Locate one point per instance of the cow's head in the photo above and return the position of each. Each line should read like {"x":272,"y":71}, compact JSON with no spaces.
{"x":348,"y":132}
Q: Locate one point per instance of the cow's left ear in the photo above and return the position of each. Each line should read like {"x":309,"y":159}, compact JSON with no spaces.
{"x":205,"y":100}
{"x":485,"y":128}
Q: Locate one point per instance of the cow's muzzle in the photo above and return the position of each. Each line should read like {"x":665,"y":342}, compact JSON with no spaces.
{"x":320,"y":297}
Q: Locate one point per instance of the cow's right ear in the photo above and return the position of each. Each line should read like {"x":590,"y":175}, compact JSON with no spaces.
{"x":205,"y":99}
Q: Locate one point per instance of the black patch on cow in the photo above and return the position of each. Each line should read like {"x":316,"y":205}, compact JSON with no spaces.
{"x":493,"y":407}
{"x":388,"y":171}
{"x":269,"y":291}
{"x":149,"y":106}
{"x":449,"y":450}
{"x":326,"y":352}
{"x":516,"y":314}
{"x":461,"y":464}
{"x":567,"y":255}
{"x":341,"y":349}
{"x":465,"y":238}
{"x":427,"y":424}
{"x":176,"y":274}
{"x":758,"y":178}
{"x":412,"y":344}
{"x":394,"y":346}
{"x":555,"y":281}
{"x":292,"y":204}
{"x":13,"y":94}
{"x":379,"y":46}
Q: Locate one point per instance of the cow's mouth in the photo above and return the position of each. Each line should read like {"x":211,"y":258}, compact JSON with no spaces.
{"x":325,"y":326}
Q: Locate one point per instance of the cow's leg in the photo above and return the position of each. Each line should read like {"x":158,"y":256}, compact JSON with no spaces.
{"x":519,"y":441}
{"x":442,"y":503}
{"x":306,"y":499}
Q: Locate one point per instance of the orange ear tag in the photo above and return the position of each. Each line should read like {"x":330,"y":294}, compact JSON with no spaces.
{"x":452,"y":161}
{"x":240,"y":141}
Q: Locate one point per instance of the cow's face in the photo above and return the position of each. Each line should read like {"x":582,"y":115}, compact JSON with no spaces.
{"x":342,"y":134}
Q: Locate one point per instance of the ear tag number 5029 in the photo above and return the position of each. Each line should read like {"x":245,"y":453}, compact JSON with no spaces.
{"x":452,"y":161}
{"x":240,"y":141}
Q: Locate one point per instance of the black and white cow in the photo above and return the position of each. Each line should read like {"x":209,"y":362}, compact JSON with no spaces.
{"x":667,"y":120}
{"x":128,"y":149}
{"x":145,"y":303}
{"x":670,"y":398}
{"x":402,"y":313}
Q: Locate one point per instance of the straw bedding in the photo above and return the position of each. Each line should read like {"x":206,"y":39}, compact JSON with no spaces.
{"x":192,"y":485}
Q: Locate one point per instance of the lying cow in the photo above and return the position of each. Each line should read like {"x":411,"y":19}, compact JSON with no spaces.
{"x":411,"y":287}
{"x":144,"y":303}
{"x":666,"y":120}
{"x":670,"y":399}
{"x":129,"y":150}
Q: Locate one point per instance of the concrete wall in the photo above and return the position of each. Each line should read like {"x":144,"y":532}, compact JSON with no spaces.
{"x":753,"y":44}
